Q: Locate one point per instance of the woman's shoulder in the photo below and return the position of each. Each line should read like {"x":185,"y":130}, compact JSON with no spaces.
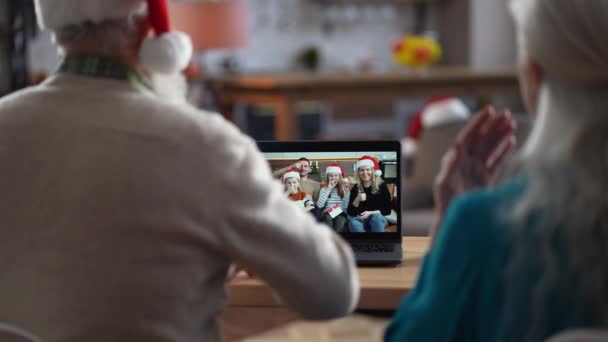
{"x":503,"y":195}
{"x":484,"y":212}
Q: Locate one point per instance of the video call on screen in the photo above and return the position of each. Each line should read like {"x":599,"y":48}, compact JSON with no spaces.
{"x":308,"y":189}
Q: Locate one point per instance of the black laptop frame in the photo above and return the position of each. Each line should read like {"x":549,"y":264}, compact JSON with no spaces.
{"x":304,"y":147}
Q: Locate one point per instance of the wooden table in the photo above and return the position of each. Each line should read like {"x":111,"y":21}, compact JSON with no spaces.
{"x":353,"y":94}
{"x":381,"y":287}
{"x":355,"y":328}
{"x":254,"y":310}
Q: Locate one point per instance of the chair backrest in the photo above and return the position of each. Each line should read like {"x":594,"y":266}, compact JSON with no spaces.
{"x":435,"y":142}
{"x":9,"y":333}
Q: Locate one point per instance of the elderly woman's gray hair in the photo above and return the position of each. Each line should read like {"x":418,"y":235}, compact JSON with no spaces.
{"x":565,"y":159}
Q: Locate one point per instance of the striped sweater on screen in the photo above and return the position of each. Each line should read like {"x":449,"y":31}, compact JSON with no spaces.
{"x":328,"y":198}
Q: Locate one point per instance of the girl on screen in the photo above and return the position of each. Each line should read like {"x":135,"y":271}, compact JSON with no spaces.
{"x":334,"y":197}
{"x":370,"y":200}
{"x":291,"y":180}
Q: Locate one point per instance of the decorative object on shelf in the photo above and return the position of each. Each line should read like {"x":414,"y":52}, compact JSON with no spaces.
{"x":420,"y":48}
{"x":416,"y":50}
{"x":309,"y":58}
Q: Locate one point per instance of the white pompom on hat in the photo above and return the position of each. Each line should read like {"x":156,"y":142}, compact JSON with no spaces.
{"x":167,"y":52}
{"x":371,"y":162}
{"x":290,"y":173}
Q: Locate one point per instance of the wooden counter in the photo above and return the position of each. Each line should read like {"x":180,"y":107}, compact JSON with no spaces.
{"x":354,"y":93}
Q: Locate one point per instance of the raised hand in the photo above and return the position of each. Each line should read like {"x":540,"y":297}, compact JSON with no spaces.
{"x":362,"y":196}
{"x":480,"y":148}
{"x":345,"y":186}
{"x":297,"y":165}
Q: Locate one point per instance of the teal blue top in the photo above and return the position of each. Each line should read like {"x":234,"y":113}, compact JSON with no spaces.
{"x":460,"y":294}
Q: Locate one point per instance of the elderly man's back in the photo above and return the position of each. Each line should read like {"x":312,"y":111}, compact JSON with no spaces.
{"x":121,"y":212}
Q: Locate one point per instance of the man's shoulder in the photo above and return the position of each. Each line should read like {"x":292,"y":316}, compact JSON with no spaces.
{"x":312,"y":181}
{"x":19,"y":97}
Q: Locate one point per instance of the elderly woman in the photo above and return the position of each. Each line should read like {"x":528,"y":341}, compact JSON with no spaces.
{"x":525,"y":261}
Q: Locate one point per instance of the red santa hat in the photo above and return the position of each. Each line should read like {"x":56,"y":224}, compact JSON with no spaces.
{"x":290,"y":173}
{"x":371,"y":162}
{"x":167,"y":52}
{"x":438,"y":111}
{"x":335,"y":168}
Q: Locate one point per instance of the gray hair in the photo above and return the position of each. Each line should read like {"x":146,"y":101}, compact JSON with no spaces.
{"x":107,"y":37}
{"x":561,"y":223}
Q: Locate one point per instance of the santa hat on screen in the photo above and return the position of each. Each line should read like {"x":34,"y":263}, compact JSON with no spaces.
{"x":290,"y":173}
{"x":438,"y":111}
{"x":371,"y":162}
{"x":335,"y":168}
{"x":167,"y":52}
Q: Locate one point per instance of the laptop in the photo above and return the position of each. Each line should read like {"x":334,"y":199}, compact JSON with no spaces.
{"x":377,"y":243}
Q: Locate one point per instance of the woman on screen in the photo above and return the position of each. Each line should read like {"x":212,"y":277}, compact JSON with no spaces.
{"x":370,"y":200}
{"x":291,"y":179}
{"x":334,"y":197}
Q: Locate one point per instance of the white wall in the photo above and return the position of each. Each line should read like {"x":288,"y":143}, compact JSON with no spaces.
{"x":477,"y":33}
{"x":493,"y":37}
{"x":280,"y":28}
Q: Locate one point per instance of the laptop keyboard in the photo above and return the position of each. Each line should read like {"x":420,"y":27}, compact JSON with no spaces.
{"x":374,"y":248}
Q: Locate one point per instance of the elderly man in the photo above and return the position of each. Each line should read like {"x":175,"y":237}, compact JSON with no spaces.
{"x":123,"y":207}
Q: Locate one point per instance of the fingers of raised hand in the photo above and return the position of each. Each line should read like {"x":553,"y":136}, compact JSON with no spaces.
{"x":500,"y":153}
{"x":470,"y":134}
{"x":485,"y":136}
{"x":498,"y":130}
{"x":449,"y":163}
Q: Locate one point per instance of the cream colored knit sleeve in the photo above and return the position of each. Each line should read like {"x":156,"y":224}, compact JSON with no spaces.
{"x":311,"y":267}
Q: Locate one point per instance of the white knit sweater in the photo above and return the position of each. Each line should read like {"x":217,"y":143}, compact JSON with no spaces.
{"x":121,"y":212}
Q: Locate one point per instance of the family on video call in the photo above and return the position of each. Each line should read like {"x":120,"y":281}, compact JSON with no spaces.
{"x":361,"y":203}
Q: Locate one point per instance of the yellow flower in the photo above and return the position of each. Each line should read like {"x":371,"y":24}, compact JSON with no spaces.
{"x":416,"y":51}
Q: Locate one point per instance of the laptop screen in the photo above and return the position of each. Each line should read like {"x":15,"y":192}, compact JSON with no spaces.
{"x":352,"y":187}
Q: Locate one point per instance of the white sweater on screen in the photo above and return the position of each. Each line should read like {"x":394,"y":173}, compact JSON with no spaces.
{"x":121,"y":213}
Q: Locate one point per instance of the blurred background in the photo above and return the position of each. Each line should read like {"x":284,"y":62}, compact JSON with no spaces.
{"x":410,"y":70}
